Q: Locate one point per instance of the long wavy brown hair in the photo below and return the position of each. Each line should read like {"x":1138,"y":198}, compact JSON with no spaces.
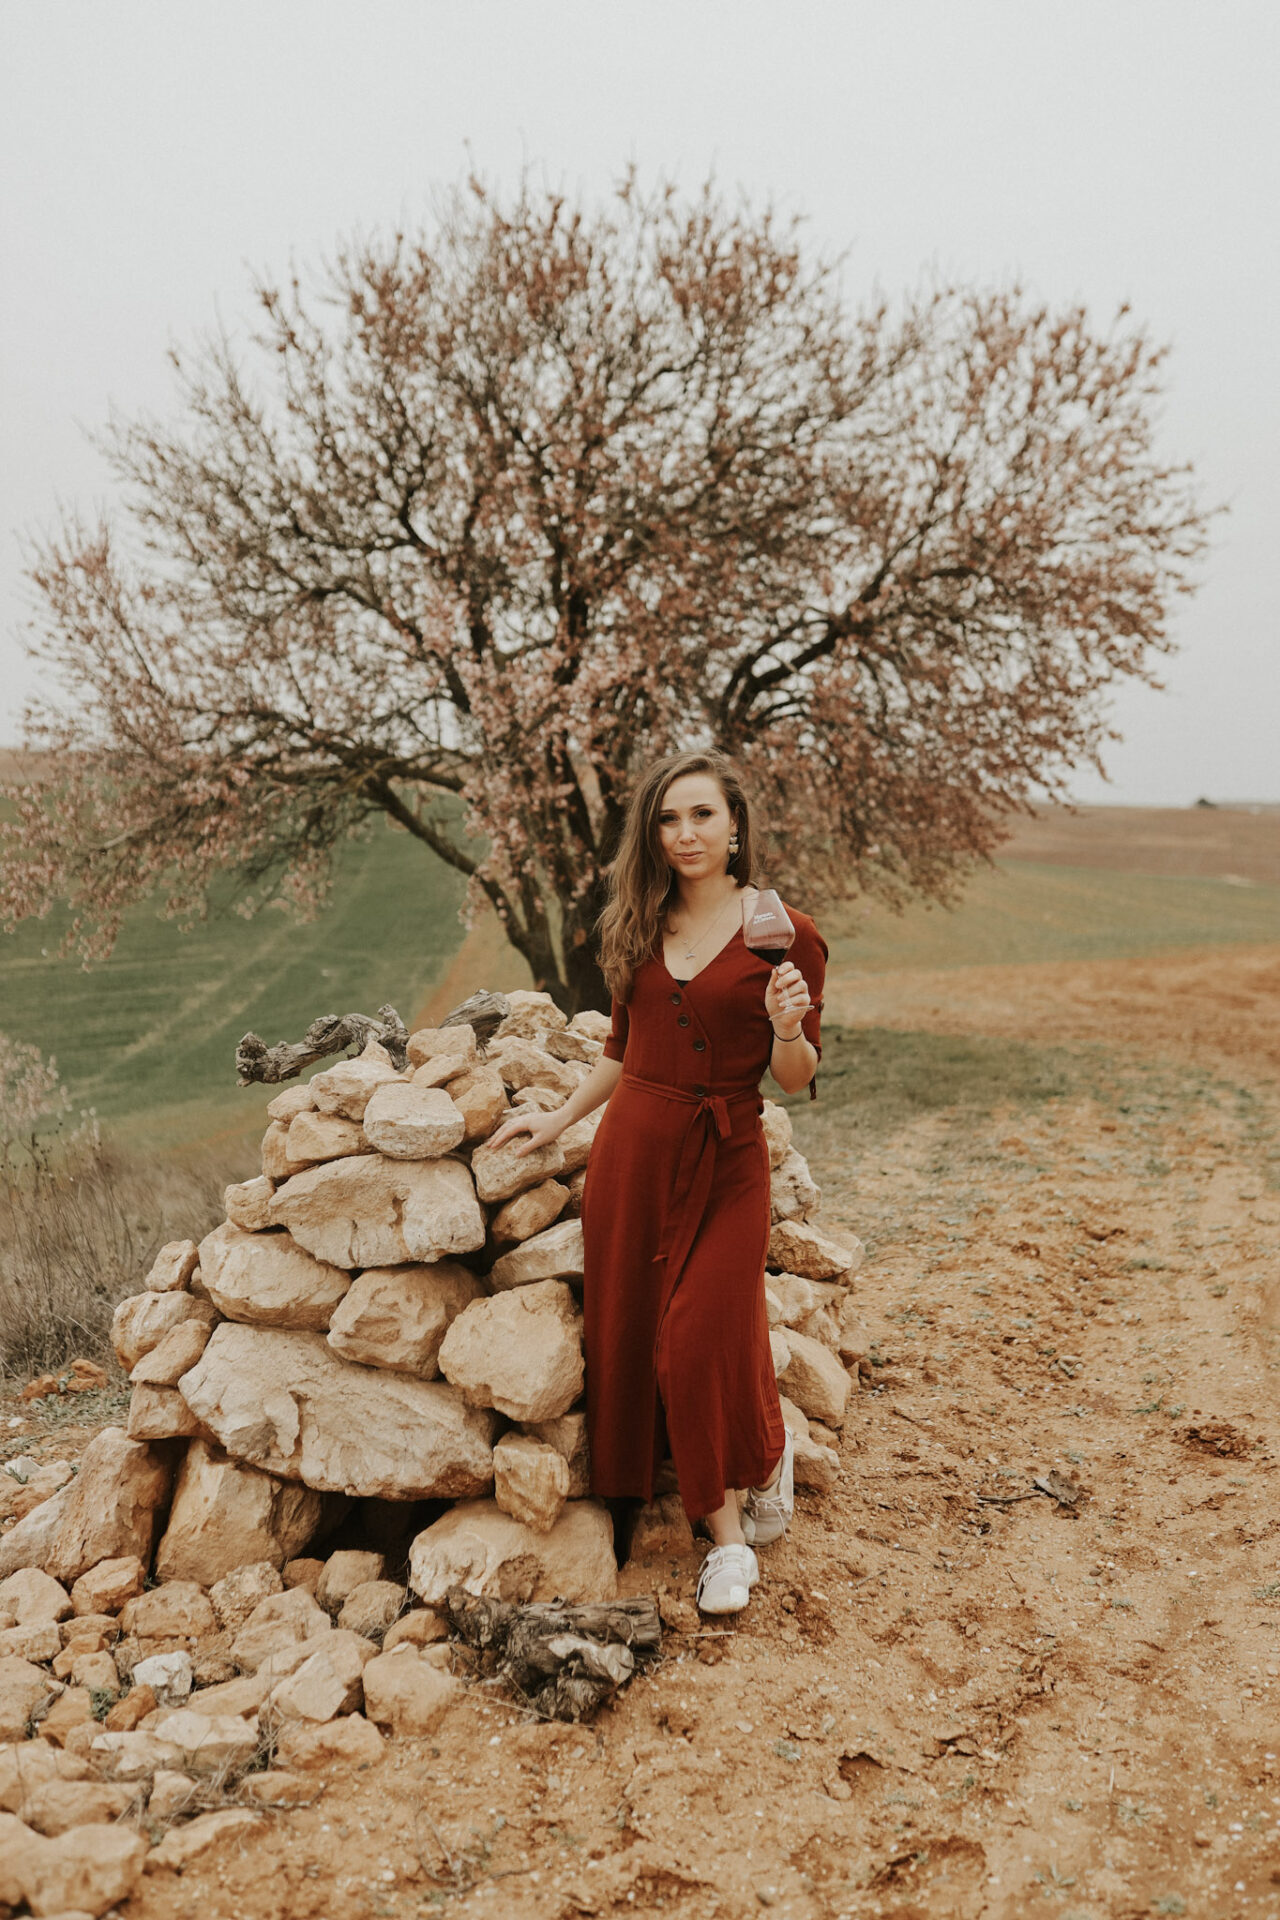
{"x":641,"y":884}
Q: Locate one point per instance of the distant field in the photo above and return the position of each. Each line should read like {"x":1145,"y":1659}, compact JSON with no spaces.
{"x":149,"y":1038}
{"x":1020,"y":912}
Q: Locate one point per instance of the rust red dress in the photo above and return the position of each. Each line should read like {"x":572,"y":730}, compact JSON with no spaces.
{"x":675,"y":1215}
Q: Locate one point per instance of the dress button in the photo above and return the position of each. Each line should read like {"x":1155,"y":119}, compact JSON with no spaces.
{"x":700,"y":1090}
{"x":675,"y":999}
{"x":682,"y":1019}
{"x":699,"y":1046}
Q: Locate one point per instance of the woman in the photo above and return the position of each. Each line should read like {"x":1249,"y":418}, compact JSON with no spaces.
{"x":675,"y":1210}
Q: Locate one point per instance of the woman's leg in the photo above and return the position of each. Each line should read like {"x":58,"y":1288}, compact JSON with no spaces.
{"x":725,"y":1525}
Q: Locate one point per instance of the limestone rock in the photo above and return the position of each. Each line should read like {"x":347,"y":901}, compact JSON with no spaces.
{"x":266,"y":1280}
{"x":776,"y":1122}
{"x":502,"y":1172}
{"x":816,"y":1466}
{"x":181,"y":1845}
{"x":53,"y":1806}
{"x":277,"y":1623}
{"x":797,"y":1248}
{"x":520,"y":1352}
{"x":530,"y":1211}
{"x":30,"y":1596}
{"x":247,"y":1203}
{"x":593,"y":1023}
{"x":178,"y":1610}
{"x":481,"y":1099}
{"x":85,"y":1870}
{"x":477,"y":1546}
{"x":24,"y":1687}
{"x":38,"y":1642}
{"x":424,"y":1627}
{"x":347,"y":1087}
{"x":351,"y":1741}
{"x":325,"y":1685}
{"x":798,"y":1297}
{"x":290,"y":1102}
{"x":227,"y":1515}
{"x":172,"y":1356}
{"x":570,"y":1045}
{"x":134,"y":1755}
{"x":128,"y":1713}
{"x":577,"y":1182}
{"x":372,"y":1607}
{"x":435,"y":1073}
{"x":302,"y":1572}
{"x":406,"y":1693}
{"x":793,"y":1195}
{"x":277,"y":1162}
{"x":314,"y":1137}
{"x":575,"y":1141}
{"x":276,"y":1788}
{"x":821,"y":1325}
{"x":431,"y":1043}
{"x":30,"y":1542}
{"x":531,"y":1017}
{"x":554,"y":1254}
{"x":540,"y":1099}
{"x":172,"y":1267}
{"x":372,"y":1212}
{"x":522,"y":1063}
{"x":397,"y":1316}
{"x":530,"y":1480}
{"x":108,"y":1586}
{"x":410,"y":1122}
{"x":780,"y":1351}
{"x":815,"y":1380}
{"x":661,"y":1529}
{"x":208,"y":1743}
{"x":234,"y":1597}
{"x":343,"y":1573}
{"x":112,"y":1505}
{"x":568,"y":1435}
{"x":285,"y":1402}
{"x":855,"y":1339}
{"x":160,"y":1413}
{"x":141,"y":1322}
{"x":167,"y":1674}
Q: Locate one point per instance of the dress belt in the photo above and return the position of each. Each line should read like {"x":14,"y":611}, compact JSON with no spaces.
{"x":708,"y":1123}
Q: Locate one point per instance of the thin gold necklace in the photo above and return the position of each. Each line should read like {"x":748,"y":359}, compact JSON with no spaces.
{"x":691,"y":950}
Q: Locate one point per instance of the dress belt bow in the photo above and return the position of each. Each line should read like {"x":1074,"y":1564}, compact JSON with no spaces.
{"x":708,"y":1122}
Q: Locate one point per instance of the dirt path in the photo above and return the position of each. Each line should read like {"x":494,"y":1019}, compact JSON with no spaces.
{"x":952,"y":1695}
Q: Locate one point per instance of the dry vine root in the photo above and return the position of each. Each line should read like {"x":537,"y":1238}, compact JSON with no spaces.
{"x":562,"y":1660}
{"x":331,"y":1033}
{"x":483,"y":1012}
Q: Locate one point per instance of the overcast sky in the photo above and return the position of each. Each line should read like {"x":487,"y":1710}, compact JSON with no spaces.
{"x":155,"y":155}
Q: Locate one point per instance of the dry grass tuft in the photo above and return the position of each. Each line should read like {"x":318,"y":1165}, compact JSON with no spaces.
{"x":80,"y":1221}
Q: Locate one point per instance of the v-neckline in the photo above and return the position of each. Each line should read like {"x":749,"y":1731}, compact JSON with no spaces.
{"x":737,"y":934}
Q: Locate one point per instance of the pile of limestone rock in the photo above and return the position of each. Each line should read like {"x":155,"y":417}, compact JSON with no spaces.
{"x":382,"y":1343}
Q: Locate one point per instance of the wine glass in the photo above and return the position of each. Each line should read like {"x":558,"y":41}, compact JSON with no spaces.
{"x":769,"y":931}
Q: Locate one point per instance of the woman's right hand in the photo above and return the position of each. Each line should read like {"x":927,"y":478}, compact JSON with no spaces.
{"x":542,"y":1129}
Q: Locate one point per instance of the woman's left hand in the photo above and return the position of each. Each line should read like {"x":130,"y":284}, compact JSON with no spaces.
{"x":786,"y":998}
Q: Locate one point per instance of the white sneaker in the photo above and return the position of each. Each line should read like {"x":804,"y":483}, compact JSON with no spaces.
{"x":727,"y":1577}
{"x":766,"y":1513}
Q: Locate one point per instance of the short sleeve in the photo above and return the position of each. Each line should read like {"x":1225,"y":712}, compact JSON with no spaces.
{"x":615,"y":1046}
{"x":809,"y":953}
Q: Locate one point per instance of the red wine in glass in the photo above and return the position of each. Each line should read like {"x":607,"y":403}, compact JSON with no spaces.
{"x":769,"y":932}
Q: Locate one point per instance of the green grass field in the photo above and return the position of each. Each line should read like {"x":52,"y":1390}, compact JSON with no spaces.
{"x":1018,"y":913}
{"x":148,"y":1039}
